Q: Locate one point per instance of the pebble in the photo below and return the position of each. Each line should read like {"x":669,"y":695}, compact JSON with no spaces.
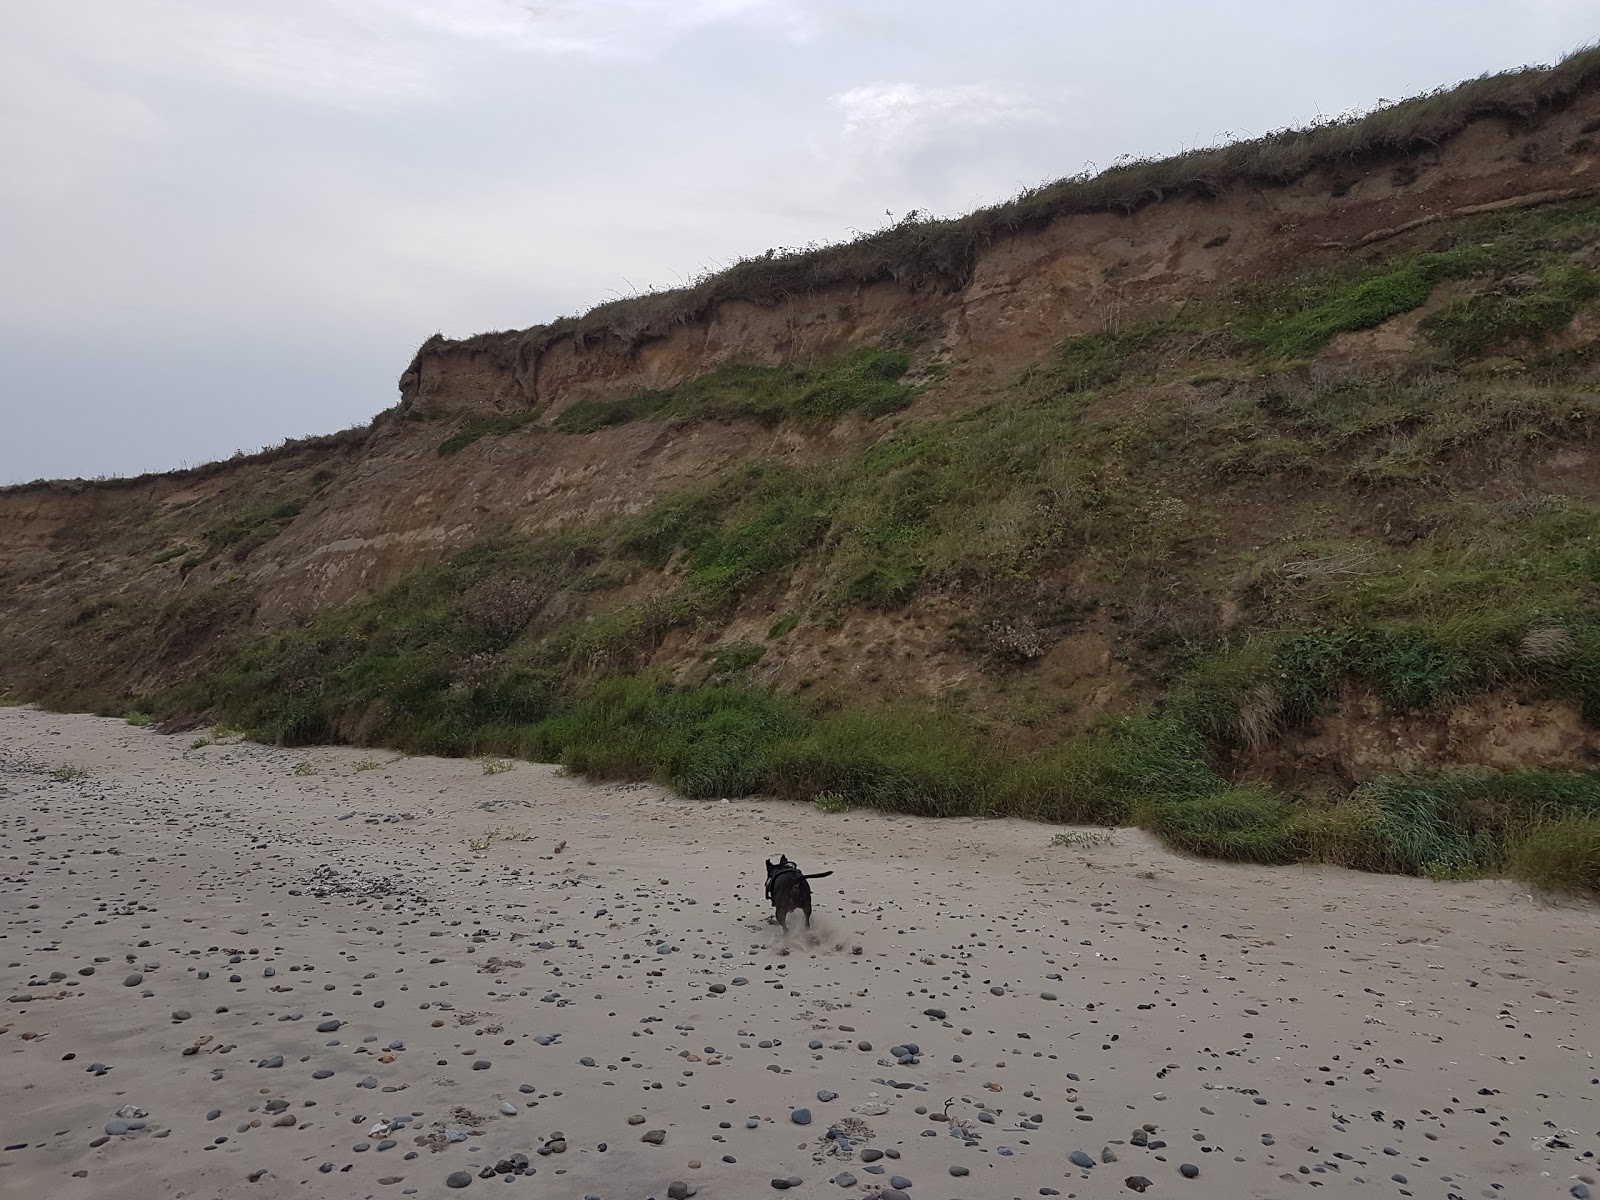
{"x":133,"y":980}
{"x":784,"y":1182}
{"x":457,"y":1179}
{"x":1188,"y":1170}
{"x":801,"y":1116}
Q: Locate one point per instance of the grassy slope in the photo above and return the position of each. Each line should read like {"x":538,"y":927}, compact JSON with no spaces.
{"x":1386,"y":529}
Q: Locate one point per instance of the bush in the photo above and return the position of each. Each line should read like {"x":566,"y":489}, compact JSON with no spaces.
{"x":705,"y":742}
{"x":1562,"y":855}
{"x":1240,"y":824}
{"x":899,"y":761}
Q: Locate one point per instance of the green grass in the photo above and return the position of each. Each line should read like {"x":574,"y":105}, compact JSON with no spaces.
{"x":865,"y":382}
{"x":1296,"y":318}
{"x":1560,"y":856}
{"x":1527,"y":310}
{"x":482,"y":427}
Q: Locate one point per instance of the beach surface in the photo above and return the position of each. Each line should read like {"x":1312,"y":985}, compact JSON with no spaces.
{"x":239,"y":970}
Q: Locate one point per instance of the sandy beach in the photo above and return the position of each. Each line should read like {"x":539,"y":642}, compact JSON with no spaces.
{"x":237,"y":970}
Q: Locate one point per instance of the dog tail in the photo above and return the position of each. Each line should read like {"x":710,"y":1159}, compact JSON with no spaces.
{"x":820,"y":875}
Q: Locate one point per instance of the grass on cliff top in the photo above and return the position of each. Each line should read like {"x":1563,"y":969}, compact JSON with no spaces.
{"x":863,"y":381}
{"x":917,"y":251}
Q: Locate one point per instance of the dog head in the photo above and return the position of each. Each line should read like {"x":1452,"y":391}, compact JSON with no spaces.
{"x":783,"y":864}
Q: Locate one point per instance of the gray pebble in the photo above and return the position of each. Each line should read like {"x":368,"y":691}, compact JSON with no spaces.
{"x":457,"y":1179}
{"x":801,"y":1116}
{"x":133,"y":980}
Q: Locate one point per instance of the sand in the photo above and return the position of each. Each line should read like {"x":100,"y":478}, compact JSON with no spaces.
{"x":179,"y":920}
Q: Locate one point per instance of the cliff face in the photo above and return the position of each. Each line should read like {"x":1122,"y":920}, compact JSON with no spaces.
{"x":315,"y":527}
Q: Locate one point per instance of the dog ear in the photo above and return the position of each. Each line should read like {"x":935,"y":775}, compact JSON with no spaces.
{"x":769,"y":863}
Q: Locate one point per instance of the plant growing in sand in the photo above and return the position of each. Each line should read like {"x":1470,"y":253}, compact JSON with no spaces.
{"x":68,"y":773}
{"x":1083,"y":838}
{"x":830,"y":802}
{"x":306,"y":767}
{"x":489,"y":837}
{"x":497,"y":766}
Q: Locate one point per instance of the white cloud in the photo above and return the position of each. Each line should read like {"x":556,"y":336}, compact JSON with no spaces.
{"x":906,"y":116}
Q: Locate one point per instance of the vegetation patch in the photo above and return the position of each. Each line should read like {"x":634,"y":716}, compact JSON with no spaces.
{"x":481,"y":427}
{"x":865,"y":382}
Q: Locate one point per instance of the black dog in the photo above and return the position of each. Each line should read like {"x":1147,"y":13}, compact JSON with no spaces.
{"x":788,"y":890}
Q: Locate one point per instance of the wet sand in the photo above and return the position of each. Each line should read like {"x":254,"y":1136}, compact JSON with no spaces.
{"x":295,"y":973}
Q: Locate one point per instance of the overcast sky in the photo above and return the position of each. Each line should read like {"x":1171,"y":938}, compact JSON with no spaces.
{"x":224,"y":222}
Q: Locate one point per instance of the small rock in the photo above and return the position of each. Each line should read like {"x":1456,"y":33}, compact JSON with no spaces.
{"x":457,"y":1179}
{"x":655,"y":1136}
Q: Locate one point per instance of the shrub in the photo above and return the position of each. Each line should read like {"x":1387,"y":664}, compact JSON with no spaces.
{"x":830,"y":802}
{"x":1562,"y":855}
{"x":894,"y":761}
{"x":1241,"y":824}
